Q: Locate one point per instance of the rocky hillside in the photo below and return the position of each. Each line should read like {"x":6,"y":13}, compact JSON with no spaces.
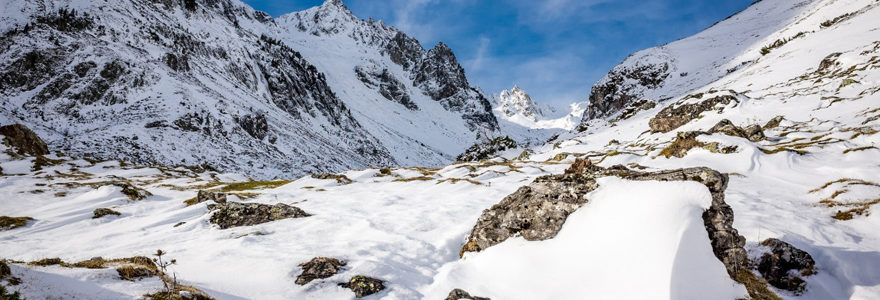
{"x":216,"y":83}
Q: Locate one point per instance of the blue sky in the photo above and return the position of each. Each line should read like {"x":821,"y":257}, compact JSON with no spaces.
{"x":553,"y":49}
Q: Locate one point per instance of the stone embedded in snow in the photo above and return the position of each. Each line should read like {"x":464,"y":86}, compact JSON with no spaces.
{"x":100,"y":212}
{"x":784,"y":265}
{"x":773,"y":123}
{"x":217,"y":197}
{"x":235,"y":214}
{"x":319,"y":268}
{"x":481,"y":151}
{"x":363,"y":286}
{"x":678,"y":114}
{"x":24,"y":140}
{"x":752,"y":132}
{"x":459,"y":294}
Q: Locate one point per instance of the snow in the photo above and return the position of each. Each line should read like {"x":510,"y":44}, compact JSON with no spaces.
{"x":645,"y":233}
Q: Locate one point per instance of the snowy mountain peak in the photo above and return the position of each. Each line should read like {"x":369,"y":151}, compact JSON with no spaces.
{"x":516,"y":106}
{"x":518,"y":102}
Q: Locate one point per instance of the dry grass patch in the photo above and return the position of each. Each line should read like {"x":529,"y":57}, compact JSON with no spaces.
{"x":417,"y":178}
{"x":7,"y":223}
{"x":253,"y":185}
{"x":457,"y":180}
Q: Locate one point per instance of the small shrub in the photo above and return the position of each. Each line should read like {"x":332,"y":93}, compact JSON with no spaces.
{"x":253,"y":185}
{"x":47,"y":262}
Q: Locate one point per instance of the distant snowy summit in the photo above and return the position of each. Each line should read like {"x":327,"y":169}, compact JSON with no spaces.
{"x":516,"y":106}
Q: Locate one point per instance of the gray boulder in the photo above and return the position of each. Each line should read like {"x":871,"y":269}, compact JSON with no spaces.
{"x":459,"y":294}
{"x":363,"y":286}
{"x":752,"y":132}
{"x":319,"y":268}
{"x":678,"y":114}
{"x":235,"y":214}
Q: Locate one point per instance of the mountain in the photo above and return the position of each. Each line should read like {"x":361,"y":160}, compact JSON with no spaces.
{"x":726,"y":50}
{"x":217,"y":83}
{"x":516,"y":106}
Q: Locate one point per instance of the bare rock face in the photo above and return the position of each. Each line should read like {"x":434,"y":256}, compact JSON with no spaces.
{"x":24,"y":140}
{"x":785,"y":265}
{"x":752,"y":132}
{"x":363,"y":286}
{"x":676,"y":115}
{"x":481,"y":151}
{"x":235,"y":214}
{"x":459,"y":294}
{"x":319,"y":268}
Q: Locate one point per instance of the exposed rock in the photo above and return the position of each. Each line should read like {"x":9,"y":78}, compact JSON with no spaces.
{"x":752,"y":132}
{"x":255,"y":125}
{"x":319,"y":268}
{"x":389,"y":86}
{"x":581,"y":166}
{"x":363,"y":286}
{"x":217,"y":197}
{"x":676,"y":115}
{"x":623,"y":85}
{"x":481,"y":151}
{"x":100,"y":212}
{"x":784,"y":266}
{"x":685,"y":141}
{"x":235,"y":214}
{"x":773,"y":123}
{"x":459,"y":294}
{"x":4,"y":269}
{"x":829,"y":62}
{"x":24,"y":140}
{"x":133,"y":192}
{"x":634,"y":108}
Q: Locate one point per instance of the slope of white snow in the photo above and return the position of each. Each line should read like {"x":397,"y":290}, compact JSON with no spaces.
{"x":646,"y":232}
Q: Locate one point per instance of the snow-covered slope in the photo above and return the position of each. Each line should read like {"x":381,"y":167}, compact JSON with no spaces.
{"x":727,"y":48}
{"x":516,"y":106}
{"x":217,"y":83}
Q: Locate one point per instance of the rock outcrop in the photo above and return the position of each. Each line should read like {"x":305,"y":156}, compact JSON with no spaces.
{"x":785,"y":265}
{"x":363,"y":286}
{"x":24,"y":140}
{"x":101,"y":212}
{"x":678,"y":114}
{"x":236,"y":214}
{"x":537,"y":211}
{"x":752,"y":132}
{"x":459,"y":294}
{"x":204,"y":196}
{"x":319,"y":268}
{"x":481,"y":151}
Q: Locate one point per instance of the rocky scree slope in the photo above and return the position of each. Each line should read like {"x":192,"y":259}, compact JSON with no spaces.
{"x":215,"y":82}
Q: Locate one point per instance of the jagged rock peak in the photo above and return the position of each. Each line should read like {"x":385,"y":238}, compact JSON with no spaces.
{"x":517,"y":102}
{"x":337,"y":5}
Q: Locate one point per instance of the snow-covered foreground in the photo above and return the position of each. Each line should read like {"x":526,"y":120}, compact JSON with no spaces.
{"x":649,"y":233}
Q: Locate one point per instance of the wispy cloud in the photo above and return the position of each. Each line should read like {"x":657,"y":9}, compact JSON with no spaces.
{"x":476,"y":64}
